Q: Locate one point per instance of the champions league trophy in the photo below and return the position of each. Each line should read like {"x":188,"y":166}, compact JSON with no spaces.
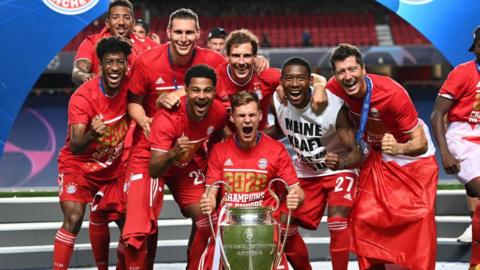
{"x":249,"y":237}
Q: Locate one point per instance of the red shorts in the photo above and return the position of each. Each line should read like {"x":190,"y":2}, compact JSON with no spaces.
{"x":335,"y":190}
{"x":187,"y":188}
{"x":107,"y":197}
{"x":144,"y":202}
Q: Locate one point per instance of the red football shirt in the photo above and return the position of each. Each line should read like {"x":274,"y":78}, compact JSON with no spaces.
{"x":263,"y":85}
{"x":391,"y":109}
{"x":168,"y":126}
{"x":249,"y":171}
{"x":152,"y":74}
{"x":101,"y":160}
{"x":87,"y":49}
{"x":462,"y":84}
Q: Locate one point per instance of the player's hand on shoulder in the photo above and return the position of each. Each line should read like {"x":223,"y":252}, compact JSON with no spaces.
{"x":390,"y":145}
{"x":88,"y":77}
{"x":98,"y":126}
{"x":145,"y":124}
{"x":319,"y":99}
{"x":450,"y":164}
{"x":168,"y":101}
{"x":261,"y":64}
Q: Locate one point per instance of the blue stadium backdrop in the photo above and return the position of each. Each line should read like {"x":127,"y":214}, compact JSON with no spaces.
{"x":34,"y":31}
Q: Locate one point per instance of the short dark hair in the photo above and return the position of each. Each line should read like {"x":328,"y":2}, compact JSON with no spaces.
{"x":120,"y":3}
{"x":200,"y":71}
{"x":143,"y":24}
{"x":297,"y":61}
{"x":113,"y":45}
{"x":183,"y":13}
{"x":243,"y":98}
{"x":342,"y":52}
{"x":241,"y":36}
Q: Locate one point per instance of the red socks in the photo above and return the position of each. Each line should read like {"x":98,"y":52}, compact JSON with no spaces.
{"x":339,"y":242}
{"x":200,"y":241}
{"x":100,"y":242}
{"x":63,"y":248}
{"x":295,"y":248}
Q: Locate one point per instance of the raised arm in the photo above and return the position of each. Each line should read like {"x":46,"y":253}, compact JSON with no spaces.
{"x":80,"y":140}
{"x":81,"y":71}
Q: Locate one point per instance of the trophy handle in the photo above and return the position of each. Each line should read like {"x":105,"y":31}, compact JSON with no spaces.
{"x":212,"y":229}
{"x":282,"y":243}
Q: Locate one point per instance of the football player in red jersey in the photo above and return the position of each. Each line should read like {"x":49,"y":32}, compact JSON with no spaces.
{"x":398,"y":181}
{"x":90,"y":165}
{"x":248,"y":161}
{"x":459,"y":145}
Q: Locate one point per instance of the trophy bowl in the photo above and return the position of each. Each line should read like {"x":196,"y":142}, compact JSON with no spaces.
{"x":250,"y":238}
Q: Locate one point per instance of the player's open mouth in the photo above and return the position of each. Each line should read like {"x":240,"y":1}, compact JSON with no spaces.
{"x":121,"y":31}
{"x":247,"y":130}
{"x":295,"y":93}
{"x":114,"y":78}
{"x":201,"y":106}
{"x":350,"y":84}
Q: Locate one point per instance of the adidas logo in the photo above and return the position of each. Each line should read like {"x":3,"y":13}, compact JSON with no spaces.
{"x":160,"y":80}
{"x":228,"y":162}
{"x":348,"y":196}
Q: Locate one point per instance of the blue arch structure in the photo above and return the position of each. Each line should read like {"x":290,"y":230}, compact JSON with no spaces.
{"x":448,"y":25}
{"x":32,"y":33}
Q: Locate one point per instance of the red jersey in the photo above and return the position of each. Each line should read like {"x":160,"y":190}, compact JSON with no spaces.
{"x":152,"y":74}
{"x":100,"y":161}
{"x":391,"y":110}
{"x":263,"y":85}
{"x":249,"y":171}
{"x":462,"y":84}
{"x":168,"y":126}
{"x":87,"y":49}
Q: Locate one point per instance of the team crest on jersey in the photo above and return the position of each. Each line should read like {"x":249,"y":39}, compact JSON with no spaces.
{"x":262,"y":163}
{"x":375,"y":113}
{"x":210,"y":130}
{"x":71,"y":188}
{"x":70,"y":7}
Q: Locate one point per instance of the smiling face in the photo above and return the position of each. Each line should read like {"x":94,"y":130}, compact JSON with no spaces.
{"x":217,"y":44}
{"x":114,"y":68}
{"x":200,"y":95}
{"x":241,"y":60}
{"x":120,"y":21}
{"x":183,"y":35}
{"x":139,"y":31}
{"x":350,"y":74}
{"x":246,"y":119}
{"x":296,"y":83}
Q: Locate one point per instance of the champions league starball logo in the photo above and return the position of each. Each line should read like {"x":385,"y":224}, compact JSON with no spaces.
{"x":70,"y":7}
{"x":38,"y":153}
